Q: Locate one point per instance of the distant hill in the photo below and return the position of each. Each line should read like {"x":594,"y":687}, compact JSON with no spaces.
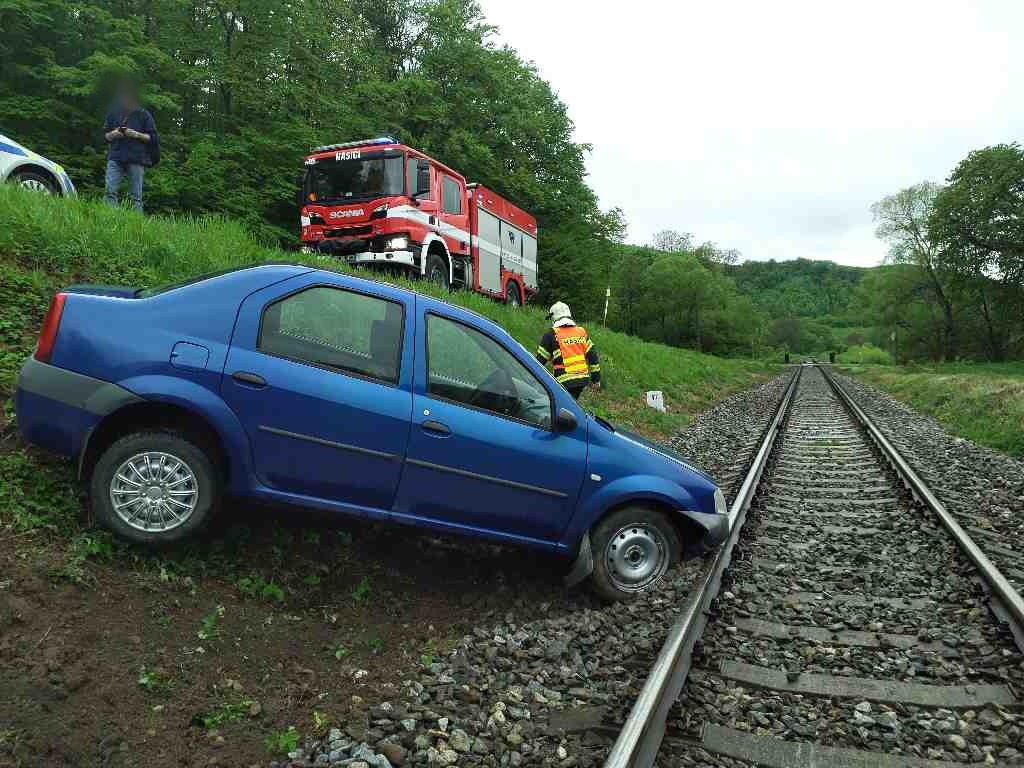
{"x":812,"y":306}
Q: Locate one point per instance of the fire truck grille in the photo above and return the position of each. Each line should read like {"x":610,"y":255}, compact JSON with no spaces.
{"x":349,"y":231}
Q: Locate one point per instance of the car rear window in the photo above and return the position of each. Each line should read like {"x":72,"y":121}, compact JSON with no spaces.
{"x":336,"y":329}
{"x":145,"y":293}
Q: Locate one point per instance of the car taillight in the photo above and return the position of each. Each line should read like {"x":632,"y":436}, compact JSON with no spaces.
{"x":51,"y":323}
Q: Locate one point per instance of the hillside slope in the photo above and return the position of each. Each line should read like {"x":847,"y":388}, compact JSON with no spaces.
{"x":47,"y":243}
{"x":979,"y":401}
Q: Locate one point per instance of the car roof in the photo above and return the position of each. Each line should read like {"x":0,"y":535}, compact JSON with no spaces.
{"x":397,"y":291}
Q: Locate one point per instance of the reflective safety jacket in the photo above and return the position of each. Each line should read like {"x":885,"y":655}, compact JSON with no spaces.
{"x":572,"y":355}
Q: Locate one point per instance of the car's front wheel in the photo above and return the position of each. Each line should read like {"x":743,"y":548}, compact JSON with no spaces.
{"x":33,"y":181}
{"x":154,"y":487}
{"x":633,"y":549}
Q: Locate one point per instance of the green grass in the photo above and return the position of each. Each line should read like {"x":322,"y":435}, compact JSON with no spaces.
{"x":983,"y":402}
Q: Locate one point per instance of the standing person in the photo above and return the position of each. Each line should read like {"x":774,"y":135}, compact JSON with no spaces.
{"x":131,"y":133}
{"x":570,"y":351}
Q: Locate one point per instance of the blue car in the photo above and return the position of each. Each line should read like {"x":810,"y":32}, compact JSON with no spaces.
{"x":293,"y":385}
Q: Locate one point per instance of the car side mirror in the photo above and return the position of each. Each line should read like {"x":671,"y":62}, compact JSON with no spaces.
{"x":299,"y":196}
{"x":565,"y":420}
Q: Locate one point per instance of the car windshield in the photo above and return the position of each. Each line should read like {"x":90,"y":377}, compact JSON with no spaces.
{"x":355,"y":179}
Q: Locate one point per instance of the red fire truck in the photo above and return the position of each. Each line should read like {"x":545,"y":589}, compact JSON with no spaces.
{"x":379,"y":203}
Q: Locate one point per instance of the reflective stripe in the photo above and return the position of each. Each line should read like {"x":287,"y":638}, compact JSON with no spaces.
{"x":571,"y":377}
{"x":595,"y":368}
{"x":543,"y":353}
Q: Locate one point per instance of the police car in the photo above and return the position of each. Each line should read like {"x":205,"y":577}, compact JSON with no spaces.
{"x":22,"y":166}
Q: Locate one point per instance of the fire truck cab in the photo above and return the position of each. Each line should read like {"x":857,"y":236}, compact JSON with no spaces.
{"x":379,"y":203}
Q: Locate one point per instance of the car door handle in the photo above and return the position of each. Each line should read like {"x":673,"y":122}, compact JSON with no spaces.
{"x":436,"y":426}
{"x":249,"y":379}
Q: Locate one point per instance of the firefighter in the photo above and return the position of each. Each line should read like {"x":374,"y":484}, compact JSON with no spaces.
{"x":570,"y":351}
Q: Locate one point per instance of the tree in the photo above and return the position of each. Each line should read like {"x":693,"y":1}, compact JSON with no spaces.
{"x":979,"y":218}
{"x":673,"y":241}
{"x":903,"y":221}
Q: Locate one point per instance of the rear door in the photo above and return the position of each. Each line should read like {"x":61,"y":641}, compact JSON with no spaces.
{"x":320,"y":375}
{"x":482,"y":452}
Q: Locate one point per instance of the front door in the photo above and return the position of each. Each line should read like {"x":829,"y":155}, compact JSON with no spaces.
{"x":482,"y":452}
{"x":320,"y":378}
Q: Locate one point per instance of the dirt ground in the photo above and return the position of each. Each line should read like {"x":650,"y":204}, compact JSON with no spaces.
{"x":198,"y":657}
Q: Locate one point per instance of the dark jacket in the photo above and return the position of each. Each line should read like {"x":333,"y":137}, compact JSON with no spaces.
{"x":130,"y":151}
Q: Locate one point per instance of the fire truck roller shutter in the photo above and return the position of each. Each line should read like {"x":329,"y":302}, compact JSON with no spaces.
{"x":512,"y":249}
{"x":530,"y":261}
{"x":488,"y":237}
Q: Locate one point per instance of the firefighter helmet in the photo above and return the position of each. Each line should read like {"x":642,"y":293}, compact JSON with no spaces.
{"x":559,"y":311}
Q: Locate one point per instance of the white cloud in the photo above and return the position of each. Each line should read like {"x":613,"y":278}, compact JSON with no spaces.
{"x":771,"y":127}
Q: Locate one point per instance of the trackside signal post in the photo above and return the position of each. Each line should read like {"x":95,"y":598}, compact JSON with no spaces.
{"x":379,"y":203}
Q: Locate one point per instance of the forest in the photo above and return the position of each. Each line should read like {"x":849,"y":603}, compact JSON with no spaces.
{"x":242,"y":90}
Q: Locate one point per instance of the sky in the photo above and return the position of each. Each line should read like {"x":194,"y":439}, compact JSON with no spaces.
{"x":771,"y":127}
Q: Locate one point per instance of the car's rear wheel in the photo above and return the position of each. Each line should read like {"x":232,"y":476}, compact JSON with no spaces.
{"x":154,"y":487}
{"x":633,"y":549}
{"x":36,"y":182}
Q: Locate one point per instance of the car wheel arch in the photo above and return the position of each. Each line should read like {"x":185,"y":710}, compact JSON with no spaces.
{"x":644,"y":492}
{"x":38,"y":169}
{"x":689,"y":530}
{"x":143,"y":415}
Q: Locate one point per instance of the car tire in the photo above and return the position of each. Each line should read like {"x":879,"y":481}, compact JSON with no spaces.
{"x":633,"y":548}
{"x":512,"y":296}
{"x":437,"y":271}
{"x":33,"y":181}
{"x":185,"y":484}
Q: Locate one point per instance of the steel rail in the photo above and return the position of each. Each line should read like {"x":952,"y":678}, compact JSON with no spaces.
{"x":641,"y":736}
{"x":1008,"y":603}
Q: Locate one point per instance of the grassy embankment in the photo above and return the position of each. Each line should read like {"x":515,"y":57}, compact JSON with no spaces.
{"x":983,"y":402}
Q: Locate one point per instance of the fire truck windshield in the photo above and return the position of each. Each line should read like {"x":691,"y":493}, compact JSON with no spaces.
{"x":339,"y":181}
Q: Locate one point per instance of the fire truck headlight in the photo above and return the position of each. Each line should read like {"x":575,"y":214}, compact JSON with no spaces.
{"x":397,"y":243}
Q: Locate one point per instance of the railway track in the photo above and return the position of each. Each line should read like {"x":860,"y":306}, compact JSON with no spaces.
{"x":848,"y":622}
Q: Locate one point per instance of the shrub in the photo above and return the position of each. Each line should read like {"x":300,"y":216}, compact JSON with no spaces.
{"x":865,"y":353}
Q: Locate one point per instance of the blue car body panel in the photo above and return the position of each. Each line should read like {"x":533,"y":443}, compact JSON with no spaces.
{"x":296,"y":432}
{"x":320,"y":432}
{"x":489,"y":474}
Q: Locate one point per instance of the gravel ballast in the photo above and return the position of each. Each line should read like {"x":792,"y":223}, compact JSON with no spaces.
{"x":550,"y":689}
{"x":983,"y":487}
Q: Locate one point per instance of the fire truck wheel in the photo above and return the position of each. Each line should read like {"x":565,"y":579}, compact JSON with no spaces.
{"x":512,"y":297}
{"x":437,"y":271}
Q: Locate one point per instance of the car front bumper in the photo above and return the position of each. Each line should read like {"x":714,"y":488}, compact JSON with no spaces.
{"x":716,"y":527}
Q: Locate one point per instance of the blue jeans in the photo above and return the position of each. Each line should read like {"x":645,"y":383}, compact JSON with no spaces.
{"x":115,"y":175}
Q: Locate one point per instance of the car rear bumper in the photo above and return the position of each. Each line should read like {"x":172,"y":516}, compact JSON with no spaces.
{"x":57,"y":409}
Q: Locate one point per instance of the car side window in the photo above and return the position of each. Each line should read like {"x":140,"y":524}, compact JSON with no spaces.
{"x":337,"y":329}
{"x":452,"y":194}
{"x":471,"y":368}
